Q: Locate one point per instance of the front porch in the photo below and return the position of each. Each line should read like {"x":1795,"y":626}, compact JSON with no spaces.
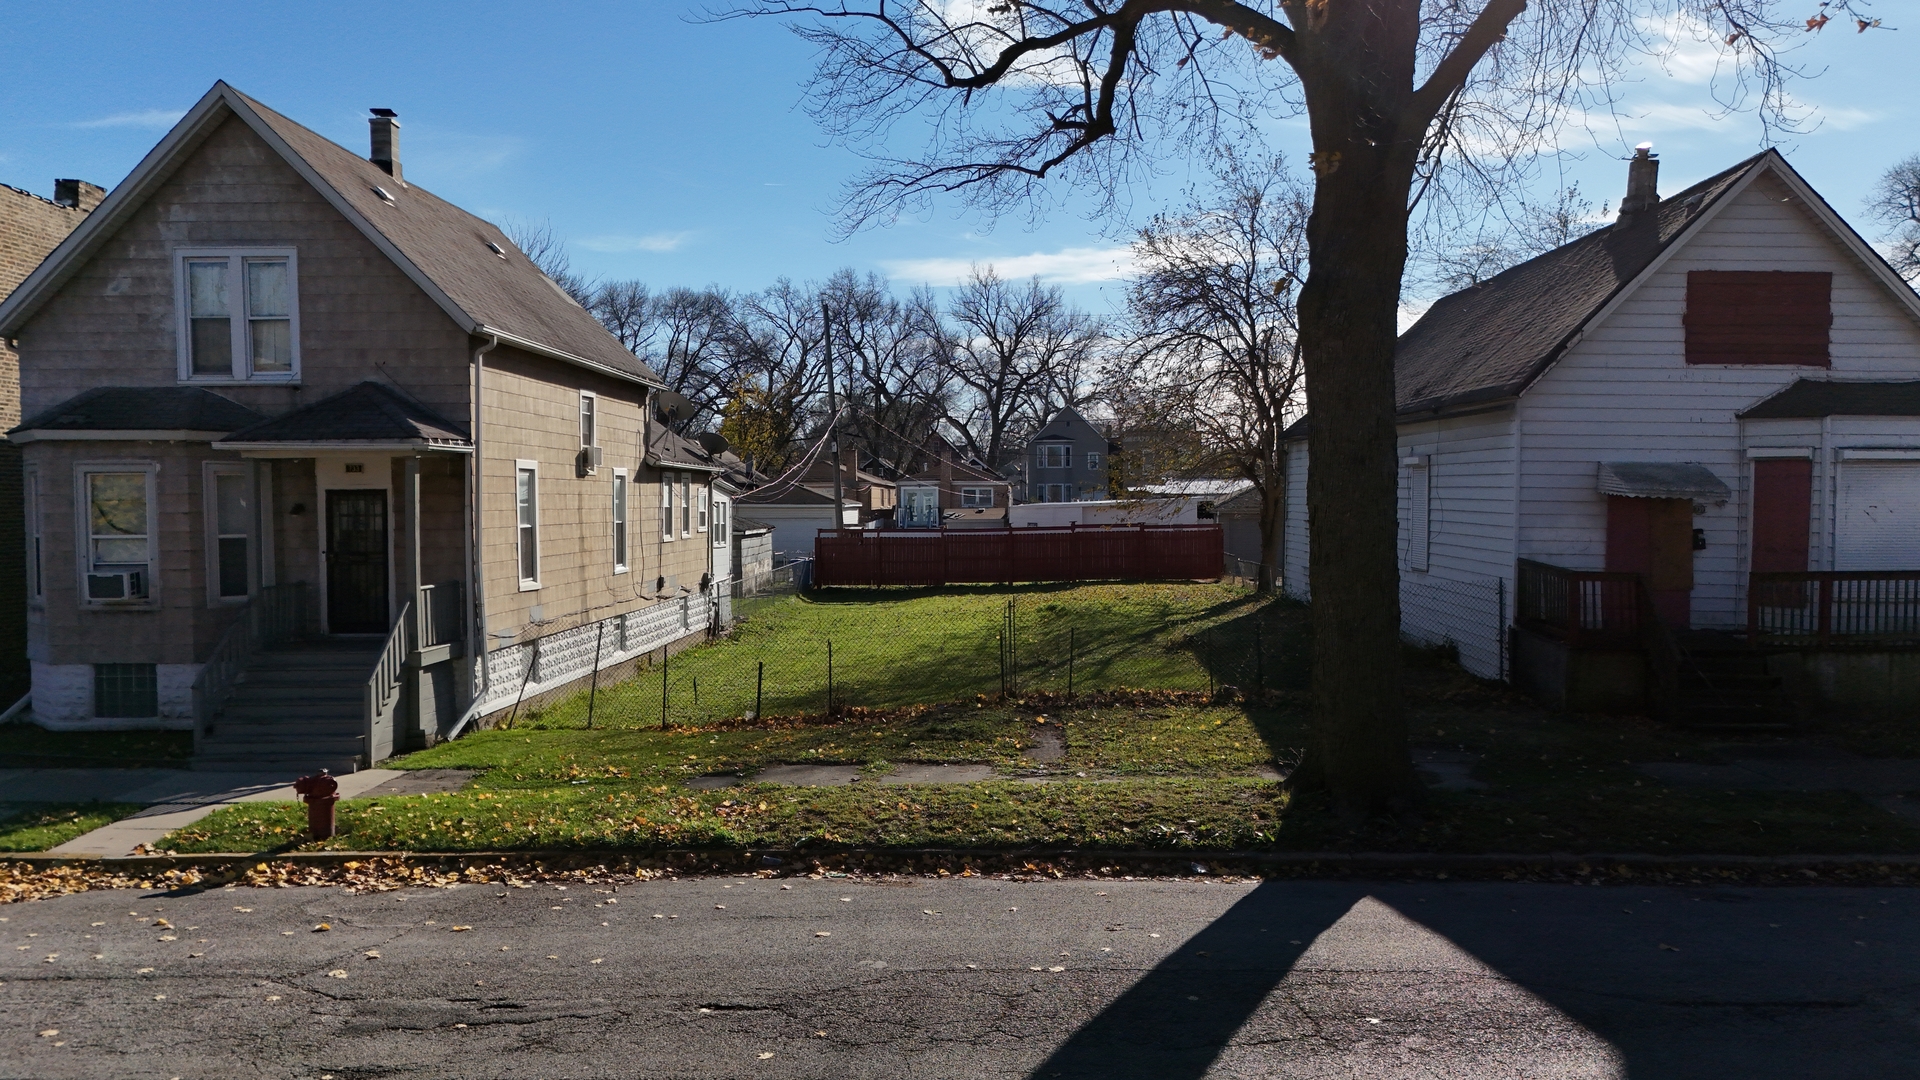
{"x":1596,"y":641}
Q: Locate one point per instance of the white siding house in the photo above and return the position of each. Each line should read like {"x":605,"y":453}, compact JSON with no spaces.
{"x":1518,"y":393}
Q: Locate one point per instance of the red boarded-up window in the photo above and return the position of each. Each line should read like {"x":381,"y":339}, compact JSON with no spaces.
{"x":1758,"y":317}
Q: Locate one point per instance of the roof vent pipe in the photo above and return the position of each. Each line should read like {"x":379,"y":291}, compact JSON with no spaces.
{"x":1643,"y":182}
{"x":386,"y":141}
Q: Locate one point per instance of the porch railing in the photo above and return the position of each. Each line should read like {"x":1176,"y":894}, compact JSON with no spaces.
{"x":1834,"y":607}
{"x":1580,"y":607}
{"x":383,"y":694}
{"x":442,"y":616}
{"x":276,"y":613}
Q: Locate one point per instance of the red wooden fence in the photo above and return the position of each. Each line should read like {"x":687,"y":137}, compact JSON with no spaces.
{"x":987,"y":556}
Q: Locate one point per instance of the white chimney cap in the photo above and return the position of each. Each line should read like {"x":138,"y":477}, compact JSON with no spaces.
{"x":1644,"y":146}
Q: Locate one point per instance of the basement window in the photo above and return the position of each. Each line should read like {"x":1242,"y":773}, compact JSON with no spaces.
{"x":125,"y":691}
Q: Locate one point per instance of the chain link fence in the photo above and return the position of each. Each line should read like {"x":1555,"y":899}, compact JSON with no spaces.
{"x":794,"y":652}
{"x":1464,"y":615}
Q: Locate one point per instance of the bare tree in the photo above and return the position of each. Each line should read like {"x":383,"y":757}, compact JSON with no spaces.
{"x":1896,"y":203}
{"x":1217,"y":339}
{"x":548,"y":252}
{"x":1017,"y":353}
{"x":1506,"y":238}
{"x":891,"y":365}
{"x":1093,"y":92}
{"x":783,"y":360}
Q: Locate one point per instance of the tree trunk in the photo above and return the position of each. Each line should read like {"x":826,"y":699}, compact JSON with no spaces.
{"x":1273,"y":529}
{"x":1357,"y":750}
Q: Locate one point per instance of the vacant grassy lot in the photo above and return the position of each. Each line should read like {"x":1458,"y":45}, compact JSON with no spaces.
{"x":1143,"y":770}
{"x":894,"y":647}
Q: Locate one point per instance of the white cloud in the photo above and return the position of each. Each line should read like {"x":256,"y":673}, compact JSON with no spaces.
{"x":1410,"y":313}
{"x":158,"y":119}
{"x":656,"y":242}
{"x":1068,"y":266}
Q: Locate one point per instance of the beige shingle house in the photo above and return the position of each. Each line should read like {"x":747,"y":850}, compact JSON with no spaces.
{"x":313,"y":458}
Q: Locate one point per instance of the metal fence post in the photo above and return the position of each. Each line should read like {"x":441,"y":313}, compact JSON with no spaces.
{"x":594,"y":691}
{"x":829,"y":676}
{"x":1069,"y":663}
{"x":525,"y":677}
{"x":1206,"y":658}
{"x":1259,"y":658}
{"x":663,"y":688}
{"x":759,"y":683}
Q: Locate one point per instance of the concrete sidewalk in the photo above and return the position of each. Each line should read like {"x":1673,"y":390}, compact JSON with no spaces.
{"x":173,"y":797}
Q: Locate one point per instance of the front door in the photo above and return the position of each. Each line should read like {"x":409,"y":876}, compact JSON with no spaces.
{"x":357,"y":562}
{"x":1654,"y":538}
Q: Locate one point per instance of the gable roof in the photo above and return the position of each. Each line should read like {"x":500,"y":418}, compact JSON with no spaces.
{"x":144,"y":408}
{"x":1821,"y":397}
{"x":441,"y":247}
{"x":1490,"y":340}
{"x":1060,"y":426}
{"x":367,"y":413}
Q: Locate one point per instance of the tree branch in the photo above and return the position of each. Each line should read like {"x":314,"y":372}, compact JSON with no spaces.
{"x":1489,"y":28}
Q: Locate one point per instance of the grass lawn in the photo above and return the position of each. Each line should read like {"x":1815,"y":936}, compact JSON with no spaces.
{"x":894,"y":647}
{"x":1157,"y":771}
{"x":30,"y":746}
{"x":41,"y":826}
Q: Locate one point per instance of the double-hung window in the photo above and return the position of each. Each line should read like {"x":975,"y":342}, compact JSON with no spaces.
{"x":720,"y":536}
{"x":1093,"y":459}
{"x":1054,"y":456}
{"x":703,"y":507}
{"x":116,"y":515}
{"x":227,"y":512}
{"x":619,"y":521}
{"x":239,"y":317}
{"x":589,"y":433}
{"x":976,"y":496}
{"x":686,"y":505}
{"x":666,"y":506}
{"x":526,"y":504}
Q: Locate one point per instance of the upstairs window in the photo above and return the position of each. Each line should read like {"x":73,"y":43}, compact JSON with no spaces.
{"x":238,"y":317}
{"x":976,"y":496}
{"x":1093,"y":459}
{"x":1759,"y":317}
{"x":1054,"y":456}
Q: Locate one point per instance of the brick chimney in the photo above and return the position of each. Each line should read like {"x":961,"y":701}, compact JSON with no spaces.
{"x":1643,"y":183}
{"x":78,"y":194}
{"x":948,"y":498}
{"x":385,"y":125}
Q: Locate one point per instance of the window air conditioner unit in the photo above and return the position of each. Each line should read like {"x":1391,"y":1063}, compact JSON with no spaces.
{"x":118,"y":585}
{"x":590,"y":457}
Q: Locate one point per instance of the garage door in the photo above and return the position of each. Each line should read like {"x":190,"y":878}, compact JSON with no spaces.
{"x":1878,"y":525}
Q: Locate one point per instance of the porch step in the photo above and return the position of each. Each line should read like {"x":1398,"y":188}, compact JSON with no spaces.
{"x":1725,"y":686}
{"x":295,"y":707}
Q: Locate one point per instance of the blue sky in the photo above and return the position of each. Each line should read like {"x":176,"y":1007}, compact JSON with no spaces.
{"x":677,"y":152}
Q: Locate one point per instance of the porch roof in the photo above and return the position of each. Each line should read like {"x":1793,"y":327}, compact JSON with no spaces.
{"x":144,"y":408}
{"x":1661,"y":480}
{"x":364,"y":415}
{"x":1823,"y":397}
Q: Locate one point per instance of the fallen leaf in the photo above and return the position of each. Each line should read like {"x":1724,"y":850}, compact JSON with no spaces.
{"x":193,"y":955}
{"x":97,"y":924}
{"x":49,"y":1033}
{"x":159,"y":997}
{"x":273,"y":997}
{"x":598,"y":960}
{"x":1373,"y":1019}
{"x":337,"y":973}
{"x":243,"y":909}
{"x":322,"y":927}
{"x":504,"y":948}
{"x":459,"y":1025}
{"x":551,"y":956}
{"x":141,"y":971}
{"x":1036,"y":967}
{"x":162,"y":922}
{"x":765,"y":1054}
{"x":1056,"y":967}
{"x":168,"y":937}
{"x":458,"y":929}
{"x":1669,"y":948}
{"x":720,"y":907}
{"x":372,"y":954}
{"x":823,"y":933}
{"x":846,"y":899}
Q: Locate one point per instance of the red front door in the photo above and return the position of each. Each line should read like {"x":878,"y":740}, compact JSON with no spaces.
{"x":1782,"y":510}
{"x":1654,"y":538}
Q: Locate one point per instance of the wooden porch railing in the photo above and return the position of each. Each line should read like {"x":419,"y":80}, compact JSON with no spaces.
{"x":384,"y":700}
{"x":1834,"y":607}
{"x":1580,"y":607}
{"x":442,"y":616}
{"x":276,"y":613}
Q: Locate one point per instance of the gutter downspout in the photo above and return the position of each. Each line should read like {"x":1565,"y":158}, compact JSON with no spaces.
{"x":477,"y":635}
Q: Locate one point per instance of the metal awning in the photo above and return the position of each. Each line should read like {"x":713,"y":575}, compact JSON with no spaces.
{"x":1661,"y":480}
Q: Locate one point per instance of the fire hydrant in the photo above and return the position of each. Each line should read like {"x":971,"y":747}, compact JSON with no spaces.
{"x":321,"y":792}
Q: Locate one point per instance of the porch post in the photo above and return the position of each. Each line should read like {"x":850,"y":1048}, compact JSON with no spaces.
{"x":414,"y":714}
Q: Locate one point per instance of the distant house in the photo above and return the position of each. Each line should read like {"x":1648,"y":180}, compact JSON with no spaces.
{"x":1066,"y":461}
{"x":951,"y":490}
{"x":796,"y":514}
{"x":876,"y":494}
{"x":1722,"y":383}
{"x":322,"y":467}
{"x":30,"y":228}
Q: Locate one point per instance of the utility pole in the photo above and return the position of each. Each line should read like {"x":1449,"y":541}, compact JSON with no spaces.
{"x":833,"y":418}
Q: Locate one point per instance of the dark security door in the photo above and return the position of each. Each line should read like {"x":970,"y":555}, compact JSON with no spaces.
{"x":357,"y":562}
{"x":1654,"y":538}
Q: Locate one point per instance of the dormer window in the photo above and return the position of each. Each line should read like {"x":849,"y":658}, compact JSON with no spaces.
{"x":238,"y":316}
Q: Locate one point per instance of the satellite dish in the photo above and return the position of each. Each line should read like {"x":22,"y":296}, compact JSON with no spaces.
{"x":669,"y":406}
{"x":712,"y":442}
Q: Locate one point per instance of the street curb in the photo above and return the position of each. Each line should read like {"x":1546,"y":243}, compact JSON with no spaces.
{"x":1333,"y":862}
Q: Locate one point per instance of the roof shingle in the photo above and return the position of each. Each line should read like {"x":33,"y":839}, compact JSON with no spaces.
{"x":1820,"y":397}
{"x":365,"y":413}
{"x":144,"y":408}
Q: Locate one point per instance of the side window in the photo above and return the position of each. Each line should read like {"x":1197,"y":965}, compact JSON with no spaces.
{"x":228,"y":521}
{"x":117,"y":521}
{"x":619,"y":521}
{"x":526,"y":503}
{"x":239,"y":316}
{"x":704,"y":503}
{"x":1093,"y":460}
{"x":720,"y":523}
{"x":36,"y":584}
{"x":666,"y":506}
{"x":686,"y":505}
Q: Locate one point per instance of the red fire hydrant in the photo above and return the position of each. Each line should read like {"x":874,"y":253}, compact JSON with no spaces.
{"x":321,"y":792}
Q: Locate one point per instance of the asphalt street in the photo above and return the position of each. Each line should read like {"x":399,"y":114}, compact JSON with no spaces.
{"x":752,"y":977}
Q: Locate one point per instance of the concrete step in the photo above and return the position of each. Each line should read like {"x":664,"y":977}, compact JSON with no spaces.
{"x":290,"y":710}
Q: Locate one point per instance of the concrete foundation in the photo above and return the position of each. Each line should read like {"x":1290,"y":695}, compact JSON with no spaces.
{"x":1883,"y":683}
{"x":1579,"y":679}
